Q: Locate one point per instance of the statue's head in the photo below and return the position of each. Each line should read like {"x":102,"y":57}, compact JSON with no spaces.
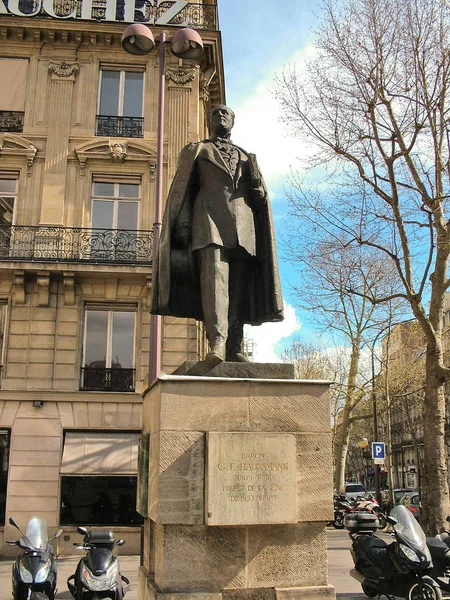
{"x":220,"y":120}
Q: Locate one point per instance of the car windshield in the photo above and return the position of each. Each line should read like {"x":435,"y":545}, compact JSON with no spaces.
{"x":408,"y":529}
{"x":399,"y":495}
{"x":357,"y":487}
{"x":36,"y":535}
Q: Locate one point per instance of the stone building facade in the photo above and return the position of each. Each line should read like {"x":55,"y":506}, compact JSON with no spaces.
{"x":78,"y":138}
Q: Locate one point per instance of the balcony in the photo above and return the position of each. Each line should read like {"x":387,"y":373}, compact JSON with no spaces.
{"x":197,"y":16}
{"x":107,"y":380}
{"x":11,"y":121}
{"x":75,"y":244}
{"x":129,"y":127}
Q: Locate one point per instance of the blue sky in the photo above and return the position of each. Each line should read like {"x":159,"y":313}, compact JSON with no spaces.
{"x":260,"y":37}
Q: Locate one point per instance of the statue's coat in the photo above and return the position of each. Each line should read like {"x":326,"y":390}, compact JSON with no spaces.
{"x":176,"y":287}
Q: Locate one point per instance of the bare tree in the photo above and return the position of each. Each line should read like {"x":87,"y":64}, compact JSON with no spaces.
{"x":375,"y":103}
{"x":329,"y":270}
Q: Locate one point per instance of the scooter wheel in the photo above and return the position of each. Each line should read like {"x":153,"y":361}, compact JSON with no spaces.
{"x":369,"y":591}
{"x":424,"y":590}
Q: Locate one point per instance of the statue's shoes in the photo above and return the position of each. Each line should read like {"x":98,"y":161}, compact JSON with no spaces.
{"x":236,"y":357}
{"x":215,"y":357}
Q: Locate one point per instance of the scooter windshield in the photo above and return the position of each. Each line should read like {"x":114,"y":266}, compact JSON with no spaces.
{"x":408,"y":529}
{"x":36,"y":534}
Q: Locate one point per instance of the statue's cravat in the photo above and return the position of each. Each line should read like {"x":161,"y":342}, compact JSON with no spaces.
{"x":229,"y":153}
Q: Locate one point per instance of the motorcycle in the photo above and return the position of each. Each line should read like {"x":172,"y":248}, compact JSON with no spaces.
{"x":369,"y":503}
{"x":342,"y":506}
{"x":34,"y":571}
{"x":98,"y":574}
{"x":401,"y":568}
{"x":440,"y":553}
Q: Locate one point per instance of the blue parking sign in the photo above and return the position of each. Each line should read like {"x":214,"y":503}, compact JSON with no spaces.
{"x":378,"y":450}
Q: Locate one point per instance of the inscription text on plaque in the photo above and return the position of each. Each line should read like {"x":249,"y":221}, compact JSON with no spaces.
{"x":251,"y":478}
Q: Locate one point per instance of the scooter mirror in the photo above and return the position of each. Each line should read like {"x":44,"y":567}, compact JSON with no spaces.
{"x":82,"y":530}
{"x":120,"y":542}
{"x":391,"y":520}
{"x":13,"y":523}
{"x":58,"y":533}
{"x":448,"y":518}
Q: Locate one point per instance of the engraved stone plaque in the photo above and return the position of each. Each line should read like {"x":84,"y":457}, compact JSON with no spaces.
{"x":251,"y":478}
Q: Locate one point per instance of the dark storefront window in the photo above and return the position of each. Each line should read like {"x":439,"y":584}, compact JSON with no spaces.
{"x":4,"y":461}
{"x":105,"y":500}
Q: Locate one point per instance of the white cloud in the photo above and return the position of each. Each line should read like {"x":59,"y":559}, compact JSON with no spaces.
{"x":259,"y":129}
{"x":267,"y":335}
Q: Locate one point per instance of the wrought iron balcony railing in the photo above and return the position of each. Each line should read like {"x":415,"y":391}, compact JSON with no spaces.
{"x":75,"y":244}
{"x":107,"y":380}
{"x":130,"y":127}
{"x":197,"y":16}
{"x":11,"y":120}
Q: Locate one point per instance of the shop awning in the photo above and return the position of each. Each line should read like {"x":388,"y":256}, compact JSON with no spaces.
{"x":89,"y":453}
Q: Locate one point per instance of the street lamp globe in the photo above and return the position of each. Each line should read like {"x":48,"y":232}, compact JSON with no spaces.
{"x":187,"y":43}
{"x":138,"y":39}
{"x":363,"y":443}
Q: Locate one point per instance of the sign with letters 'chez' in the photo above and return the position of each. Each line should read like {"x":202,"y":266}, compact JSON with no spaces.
{"x":151,"y":12}
{"x":251,"y":478}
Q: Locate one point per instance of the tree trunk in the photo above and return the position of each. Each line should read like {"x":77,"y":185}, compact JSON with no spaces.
{"x":434,"y":481}
{"x":341,"y":454}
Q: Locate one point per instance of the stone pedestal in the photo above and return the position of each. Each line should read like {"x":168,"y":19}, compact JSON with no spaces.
{"x":235,"y":485}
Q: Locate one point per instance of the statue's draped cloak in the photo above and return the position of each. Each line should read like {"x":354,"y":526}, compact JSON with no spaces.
{"x":176,"y":285}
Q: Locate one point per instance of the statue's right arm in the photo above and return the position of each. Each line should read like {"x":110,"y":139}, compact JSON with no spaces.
{"x":183,"y":225}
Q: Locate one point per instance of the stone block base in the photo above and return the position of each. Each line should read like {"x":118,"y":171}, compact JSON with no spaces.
{"x":147,"y":590}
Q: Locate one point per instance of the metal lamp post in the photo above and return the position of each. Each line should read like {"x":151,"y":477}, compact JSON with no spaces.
{"x":138,"y":39}
{"x":362,"y":445}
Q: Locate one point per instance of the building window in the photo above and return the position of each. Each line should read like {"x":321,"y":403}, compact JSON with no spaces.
{"x":4,"y":463}
{"x":120,"y":104}
{"x":98,"y":478}
{"x":115,"y":218}
{"x":99,"y":501}
{"x":13,"y":75}
{"x":8,"y":193}
{"x":109,"y":351}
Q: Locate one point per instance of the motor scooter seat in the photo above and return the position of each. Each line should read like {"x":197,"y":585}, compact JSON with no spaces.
{"x":375,"y":549}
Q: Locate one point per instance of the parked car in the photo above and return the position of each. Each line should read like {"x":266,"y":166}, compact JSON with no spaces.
{"x":354,"y":489}
{"x":386,"y":503}
{"x":412,"y":503}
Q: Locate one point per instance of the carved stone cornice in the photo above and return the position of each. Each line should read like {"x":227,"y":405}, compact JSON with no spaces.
{"x":205,"y":81}
{"x":117,"y":150}
{"x":64,"y":70}
{"x":180,"y":77}
{"x":15,"y":145}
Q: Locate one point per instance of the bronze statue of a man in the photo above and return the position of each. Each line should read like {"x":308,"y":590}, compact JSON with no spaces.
{"x":217,"y":260}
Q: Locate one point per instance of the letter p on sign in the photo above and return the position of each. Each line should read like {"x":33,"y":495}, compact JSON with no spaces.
{"x":378,"y":450}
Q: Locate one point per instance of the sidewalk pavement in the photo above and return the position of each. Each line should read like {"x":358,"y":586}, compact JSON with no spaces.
{"x":339,"y":565}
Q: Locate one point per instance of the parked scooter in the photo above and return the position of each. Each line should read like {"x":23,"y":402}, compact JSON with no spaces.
{"x":98,"y":573}
{"x":34,"y":571}
{"x":440,"y":553}
{"x":401,"y":568}
{"x":369,"y":503}
{"x":342,"y":506}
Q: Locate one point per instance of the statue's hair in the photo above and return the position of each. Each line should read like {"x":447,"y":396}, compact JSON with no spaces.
{"x":219,"y":106}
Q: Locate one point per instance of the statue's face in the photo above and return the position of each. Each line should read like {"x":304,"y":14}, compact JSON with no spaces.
{"x":221,"y":120}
